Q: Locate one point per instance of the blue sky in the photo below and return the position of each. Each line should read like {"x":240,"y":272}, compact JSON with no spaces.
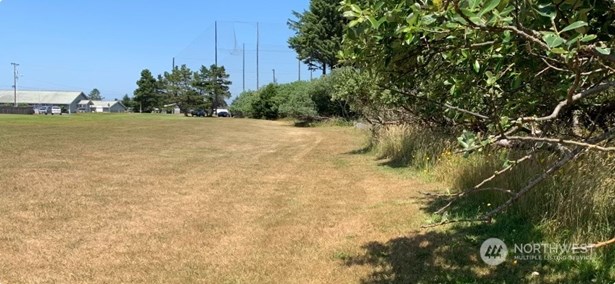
{"x":81,"y":45}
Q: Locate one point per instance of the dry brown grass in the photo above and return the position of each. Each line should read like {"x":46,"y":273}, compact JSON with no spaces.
{"x":128,"y":198}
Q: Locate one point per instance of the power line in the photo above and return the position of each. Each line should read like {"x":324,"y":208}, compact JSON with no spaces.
{"x":15,"y":81}
{"x":257,"y":53}
{"x":216,"y":41}
{"x":260,"y":50}
{"x":244,"y":67}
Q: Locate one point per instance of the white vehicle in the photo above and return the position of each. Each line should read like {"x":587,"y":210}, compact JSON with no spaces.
{"x":55,"y":110}
{"x":222,"y":112}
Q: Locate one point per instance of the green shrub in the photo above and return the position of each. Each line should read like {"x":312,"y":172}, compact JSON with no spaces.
{"x":264,"y":105}
{"x":294,"y":100}
{"x":242,"y":105}
{"x":300,"y":100}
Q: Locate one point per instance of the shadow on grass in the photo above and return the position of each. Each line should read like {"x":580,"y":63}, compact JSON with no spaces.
{"x":451,"y":255}
{"x":361,"y":151}
{"x":393,"y":163}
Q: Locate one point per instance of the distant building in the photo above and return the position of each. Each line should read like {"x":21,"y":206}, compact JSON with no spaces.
{"x":107,"y":106}
{"x":66,"y":100}
{"x":172,"y":109}
{"x":84,"y":106}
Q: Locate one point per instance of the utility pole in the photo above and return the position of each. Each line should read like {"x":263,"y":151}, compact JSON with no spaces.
{"x":216,"y":41}
{"x":257,"y":51}
{"x":15,"y":81}
{"x":311,"y":74}
{"x":299,"y":68}
{"x":244,"y":67}
{"x":274,"y":81}
{"x":173,"y":63}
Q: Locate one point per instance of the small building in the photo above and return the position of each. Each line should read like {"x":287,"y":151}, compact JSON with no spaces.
{"x":84,"y":106}
{"x":107,"y":106}
{"x":172,"y":109}
{"x":66,"y":100}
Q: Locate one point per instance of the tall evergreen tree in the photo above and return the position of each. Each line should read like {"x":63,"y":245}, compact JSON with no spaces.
{"x":128,"y":102}
{"x":220,"y":88}
{"x":179,"y":88}
{"x":318,"y":34}
{"x":147,"y":94}
{"x":213,"y":83}
{"x":95,"y":95}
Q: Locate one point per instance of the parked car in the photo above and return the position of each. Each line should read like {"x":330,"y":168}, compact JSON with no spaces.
{"x":42,"y":110}
{"x":221,"y":112}
{"x":198,"y":113}
{"x":55,"y":110}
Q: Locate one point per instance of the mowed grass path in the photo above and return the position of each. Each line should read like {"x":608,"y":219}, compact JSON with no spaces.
{"x":145,"y":198}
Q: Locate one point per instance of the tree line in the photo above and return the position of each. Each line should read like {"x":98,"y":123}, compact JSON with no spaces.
{"x":206,"y":89}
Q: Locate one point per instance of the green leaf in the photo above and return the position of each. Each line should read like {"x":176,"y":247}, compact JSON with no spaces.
{"x":552,"y":39}
{"x":457,"y":18}
{"x":349,"y":14}
{"x":604,"y":50}
{"x":376,"y":23}
{"x":409,"y":38}
{"x":571,"y":42}
{"x":506,"y":11}
{"x":587,"y":38}
{"x":355,"y":22}
{"x":547,"y":11}
{"x":491,"y":79}
{"x":379,"y":6}
{"x":558,"y":50}
{"x":473,"y":4}
{"x":573,"y":26}
{"x":476,"y":66}
{"x":505,"y":121}
{"x":492,"y":4}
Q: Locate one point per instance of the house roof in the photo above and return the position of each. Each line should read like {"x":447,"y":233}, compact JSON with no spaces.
{"x":40,"y":97}
{"x":84,"y":102}
{"x":105,"y":103}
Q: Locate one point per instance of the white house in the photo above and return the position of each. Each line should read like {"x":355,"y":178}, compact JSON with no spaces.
{"x":101,"y":106}
{"x":63,"y":99}
{"x":108,"y":106}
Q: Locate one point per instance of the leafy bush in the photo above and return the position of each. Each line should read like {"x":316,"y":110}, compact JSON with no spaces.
{"x":264,"y":105}
{"x":242,"y":105}
{"x":294,"y":100}
{"x":360,"y":91}
{"x":299,"y":100}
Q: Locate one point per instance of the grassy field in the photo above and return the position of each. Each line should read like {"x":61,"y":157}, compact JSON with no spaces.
{"x":140,"y":198}
{"x":152,"y":199}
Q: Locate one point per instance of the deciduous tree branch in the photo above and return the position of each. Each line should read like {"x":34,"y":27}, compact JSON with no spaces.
{"x":518,"y":31}
{"x":538,"y":179}
{"x":561,"y":141}
{"x":485,"y":181}
{"x":582,"y":95}
{"x":453,"y":221}
{"x":602,"y":244}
